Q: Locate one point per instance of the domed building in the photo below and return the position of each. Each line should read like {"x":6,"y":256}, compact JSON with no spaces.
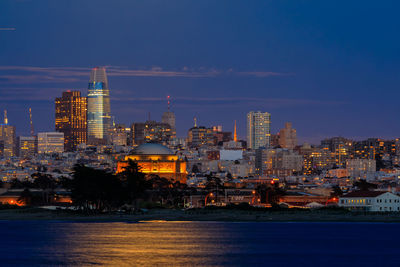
{"x":157,"y":159}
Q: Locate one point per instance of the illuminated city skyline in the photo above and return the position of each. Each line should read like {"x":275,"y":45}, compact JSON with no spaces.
{"x":295,"y":61}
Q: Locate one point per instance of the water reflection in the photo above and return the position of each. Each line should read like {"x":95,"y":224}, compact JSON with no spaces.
{"x":198,"y":243}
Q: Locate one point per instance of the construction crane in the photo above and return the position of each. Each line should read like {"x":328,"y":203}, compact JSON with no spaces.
{"x":31,"y":122}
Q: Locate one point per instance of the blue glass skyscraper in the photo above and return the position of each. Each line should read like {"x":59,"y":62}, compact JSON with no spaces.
{"x":98,"y":114}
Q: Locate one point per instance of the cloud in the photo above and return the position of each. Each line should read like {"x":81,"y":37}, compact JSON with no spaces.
{"x":126,"y":96}
{"x":182,"y":101}
{"x":33,"y":74}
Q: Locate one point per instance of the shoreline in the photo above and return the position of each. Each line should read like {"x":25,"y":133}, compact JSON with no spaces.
{"x":199,"y":216}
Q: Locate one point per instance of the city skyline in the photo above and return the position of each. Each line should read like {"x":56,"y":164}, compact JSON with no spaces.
{"x":318,"y":72}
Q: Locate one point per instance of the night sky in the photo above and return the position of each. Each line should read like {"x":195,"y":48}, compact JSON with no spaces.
{"x":330,"y":67}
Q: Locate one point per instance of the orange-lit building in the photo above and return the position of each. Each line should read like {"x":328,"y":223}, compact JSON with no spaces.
{"x":70,"y":117}
{"x":158,"y":160}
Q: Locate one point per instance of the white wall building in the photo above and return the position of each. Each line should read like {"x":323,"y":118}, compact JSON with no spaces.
{"x":50,"y":142}
{"x":371,"y":201}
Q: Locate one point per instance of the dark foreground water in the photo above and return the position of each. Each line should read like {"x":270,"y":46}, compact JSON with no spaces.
{"x":34,"y":243}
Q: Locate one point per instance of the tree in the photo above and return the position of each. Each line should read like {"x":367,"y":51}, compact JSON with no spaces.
{"x":25,"y":197}
{"x":45,"y":182}
{"x":363,"y":185}
{"x":95,"y":190}
{"x":336,"y":191}
{"x":134,"y":182}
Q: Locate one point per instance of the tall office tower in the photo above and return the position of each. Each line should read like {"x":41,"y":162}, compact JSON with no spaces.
{"x":200,"y":136}
{"x":7,"y":138}
{"x":258,"y":129}
{"x":169,"y":117}
{"x":50,"y":142}
{"x":27,"y":146}
{"x":288,"y":136}
{"x":151,"y":132}
{"x":71,"y":110}
{"x":98,"y":111}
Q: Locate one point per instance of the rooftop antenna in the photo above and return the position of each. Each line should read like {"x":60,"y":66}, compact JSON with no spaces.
{"x":5,"y":117}
{"x":234,"y":133}
{"x":195,"y":122}
{"x":31,"y":122}
{"x":169,"y":102}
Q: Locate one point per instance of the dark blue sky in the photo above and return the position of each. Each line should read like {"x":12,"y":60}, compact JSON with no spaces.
{"x":330,"y":67}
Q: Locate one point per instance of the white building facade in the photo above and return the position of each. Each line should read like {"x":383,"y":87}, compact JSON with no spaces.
{"x":377,"y":201}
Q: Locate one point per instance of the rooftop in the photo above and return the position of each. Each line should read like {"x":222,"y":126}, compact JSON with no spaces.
{"x":364,"y":194}
{"x":152,"y":149}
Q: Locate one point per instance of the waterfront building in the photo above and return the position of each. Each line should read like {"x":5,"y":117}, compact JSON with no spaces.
{"x":50,"y":142}
{"x":288,"y":137}
{"x":156,"y":159}
{"x":258,"y":129}
{"x":98,"y":107}
{"x":27,"y":146}
{"x":70,"y":118}
{"x":378,"y":201}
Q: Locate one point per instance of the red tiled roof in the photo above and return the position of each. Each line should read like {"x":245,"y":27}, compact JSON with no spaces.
{"x":364,"y":194}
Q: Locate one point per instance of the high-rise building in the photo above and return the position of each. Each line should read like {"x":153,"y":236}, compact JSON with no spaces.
{"x":151,"y":132}
{"x":288,"y":137}
{"x":258,"y":129}
{"x":201,"y":136}
{"x":7,"y":138}
{"x":169,"y":118}
{"x":71,"y":110}
{"x":50,"y":142}
{"x":119,"y":135}
{"x":27,"y":146}
{"x":98,"y":111}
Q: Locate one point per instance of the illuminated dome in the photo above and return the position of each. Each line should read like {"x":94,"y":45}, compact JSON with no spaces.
{"x":152,"y":149}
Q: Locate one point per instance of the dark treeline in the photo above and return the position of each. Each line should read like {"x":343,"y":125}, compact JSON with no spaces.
{"x":99,"y":190}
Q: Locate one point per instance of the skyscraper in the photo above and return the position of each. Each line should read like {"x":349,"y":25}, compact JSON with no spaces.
{"x":169,"y":117}
{"x":258,"y":129}
{"x":71,"y":111}
{"x":98,"y":113}
{"x":7,"y":138}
